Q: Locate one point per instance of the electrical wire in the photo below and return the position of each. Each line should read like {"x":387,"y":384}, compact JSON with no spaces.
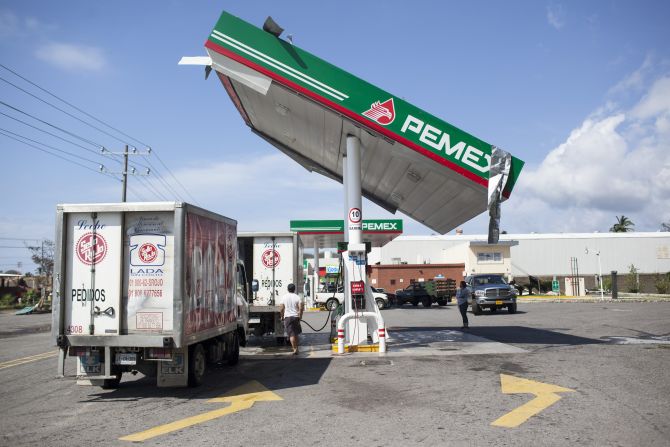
{"x":176,"y":179}
{"x":164,"y":182}
{"x":58,"y":156}
{"x":150,"y":187}
{"x":61,"y":110}
{"x":85,"y":140}
{"x":5,"y":131}
{"x":97,"y":128}
{"x":72,"y":105}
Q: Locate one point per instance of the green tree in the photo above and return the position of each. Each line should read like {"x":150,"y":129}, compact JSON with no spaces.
{"x":43,"y":256}
{"x":662,"y":283}
{"x":631,"y":279}
{"x":623,"y":225}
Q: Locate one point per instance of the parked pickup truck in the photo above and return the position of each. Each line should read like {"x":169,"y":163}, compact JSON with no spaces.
{"x":333,"y":299}
{"x":426,"y":293}
{"x":491,"y":292}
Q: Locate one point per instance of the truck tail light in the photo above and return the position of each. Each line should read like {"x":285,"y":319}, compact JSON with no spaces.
{"x":158,"y":354}
{"x":78,"y":351}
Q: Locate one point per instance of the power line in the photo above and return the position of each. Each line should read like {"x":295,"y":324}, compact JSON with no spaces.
{"x":151,"y":188}
{"x":73,"y":106}
{"x":19,"y":239}
{"x":177,"y":180}
{"x":86,"y":140}
{"x":64,"y":111}
{"x":163,"y":181}
{"x":151,"y":165}
{"x":111,"y":156}
{"x":156,"y":171}
{"x":55,"y":155}
{"x":49,"y":146}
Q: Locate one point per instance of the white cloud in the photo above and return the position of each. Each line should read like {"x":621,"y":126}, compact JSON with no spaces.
{"x":656,"y":103}
{"x":263,"y":193}
{"x":615,"y":162}
{"x":556,"y":15}
{"x":72,"y":57}
{"x":12,"y":25}
{"x":637,"y":79}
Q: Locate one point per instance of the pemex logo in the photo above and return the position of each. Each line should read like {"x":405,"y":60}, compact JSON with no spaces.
{"x":383,"y":113}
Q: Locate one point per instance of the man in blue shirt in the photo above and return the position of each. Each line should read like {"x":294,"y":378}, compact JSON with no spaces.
{"x":462,"y":294}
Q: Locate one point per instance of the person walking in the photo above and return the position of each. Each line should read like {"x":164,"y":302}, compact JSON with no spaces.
{"x":291,"y":309}
{"x":462,"y":300}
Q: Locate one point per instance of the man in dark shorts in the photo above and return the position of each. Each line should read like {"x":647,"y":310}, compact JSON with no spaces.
{"x":291,"y":309}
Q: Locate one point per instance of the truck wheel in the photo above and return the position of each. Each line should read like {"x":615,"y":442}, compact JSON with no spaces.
{"x":441,"y":303}
{"x":380,"y":303}
{"x":427,"y":303}
{"x":233,"y":354}
{"x":511,"y":308}
{"x":112,"y":384}
{"x":476,"y":309}
{"x":196,"y":365}
{"x":332,"y":304}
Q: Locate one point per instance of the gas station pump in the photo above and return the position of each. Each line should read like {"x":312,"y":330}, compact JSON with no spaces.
{"x":360,"y":322}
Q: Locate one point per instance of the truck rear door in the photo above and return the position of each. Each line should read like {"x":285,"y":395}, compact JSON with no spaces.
{"x":93,"y":273}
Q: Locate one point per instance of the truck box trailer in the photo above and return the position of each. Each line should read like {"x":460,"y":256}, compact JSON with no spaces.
{"x":272,"y":262}
{"x":149,"y":287}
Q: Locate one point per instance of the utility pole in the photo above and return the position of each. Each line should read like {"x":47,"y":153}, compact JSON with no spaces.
{"x":125,"y":172}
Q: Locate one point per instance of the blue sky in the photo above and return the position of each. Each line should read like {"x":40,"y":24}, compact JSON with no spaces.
{"x":579,"y":90}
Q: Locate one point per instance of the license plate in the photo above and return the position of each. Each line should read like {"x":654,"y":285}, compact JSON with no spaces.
{"x":126,"y":358}
{"x":254,"y":320}
{"x":498,"y":301}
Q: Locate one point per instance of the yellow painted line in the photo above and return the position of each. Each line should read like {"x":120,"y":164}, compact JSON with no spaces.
{"x":357,"y":348}
{"x":29,"y":359}
{"x":240,"y":398}
{"x":545,"y":396}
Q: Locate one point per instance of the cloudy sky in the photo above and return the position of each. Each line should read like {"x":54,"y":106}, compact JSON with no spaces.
{"x":578,"y":90}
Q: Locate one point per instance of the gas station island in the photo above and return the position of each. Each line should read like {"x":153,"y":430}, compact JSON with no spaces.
{"x":378,"y":145}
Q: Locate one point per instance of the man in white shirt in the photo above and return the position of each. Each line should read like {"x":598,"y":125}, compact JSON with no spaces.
{"x":291,"y":309}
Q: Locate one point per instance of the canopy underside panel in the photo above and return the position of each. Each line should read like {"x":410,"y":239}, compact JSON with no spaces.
{"x":393,"y":175}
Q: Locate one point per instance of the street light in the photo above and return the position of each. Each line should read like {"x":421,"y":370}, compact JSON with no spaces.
{"x":600,"y":273}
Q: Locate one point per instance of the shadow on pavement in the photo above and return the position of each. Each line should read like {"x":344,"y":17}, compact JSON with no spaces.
{"x":509,"y":334}
{"x":273,"y":373}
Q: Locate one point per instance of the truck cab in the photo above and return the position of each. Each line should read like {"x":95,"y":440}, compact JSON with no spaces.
{"x":490,"y":291}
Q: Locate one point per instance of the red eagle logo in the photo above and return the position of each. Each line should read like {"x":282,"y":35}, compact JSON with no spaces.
{"x":383,"y":113}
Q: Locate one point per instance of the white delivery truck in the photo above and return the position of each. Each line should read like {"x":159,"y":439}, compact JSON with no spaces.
{"x":149,"y":287}
{"x":272,"y":262}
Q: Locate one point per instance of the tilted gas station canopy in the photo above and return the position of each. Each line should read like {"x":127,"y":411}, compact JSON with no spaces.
{"x":327,"y":233}
{"x":411,"y":161}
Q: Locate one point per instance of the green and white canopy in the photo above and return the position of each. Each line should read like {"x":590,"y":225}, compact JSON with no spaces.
{"x":327,"y":233}
{"x":411,"y":160}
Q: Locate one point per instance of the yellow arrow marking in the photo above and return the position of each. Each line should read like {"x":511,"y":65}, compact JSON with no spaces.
{"x":545,"y":396}
{"x":240,"y":398}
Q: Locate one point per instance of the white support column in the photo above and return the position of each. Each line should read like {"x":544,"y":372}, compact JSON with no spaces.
{"x":315,"y":279}
{"x":354,"y":218}
{"x":356,"y":330}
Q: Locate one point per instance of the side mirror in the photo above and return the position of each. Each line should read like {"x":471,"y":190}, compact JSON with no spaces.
{"x":254,"y":285}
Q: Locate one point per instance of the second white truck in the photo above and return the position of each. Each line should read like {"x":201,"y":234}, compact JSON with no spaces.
{"x":272,"y":262}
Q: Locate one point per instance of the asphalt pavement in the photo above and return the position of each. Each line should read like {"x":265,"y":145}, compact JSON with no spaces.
{"x":594,"y":374}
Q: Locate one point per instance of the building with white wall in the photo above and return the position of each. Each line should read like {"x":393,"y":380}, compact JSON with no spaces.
{"x":542,"y":255}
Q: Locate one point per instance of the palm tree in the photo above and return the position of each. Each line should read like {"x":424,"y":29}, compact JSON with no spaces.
{"x":623,"y":225}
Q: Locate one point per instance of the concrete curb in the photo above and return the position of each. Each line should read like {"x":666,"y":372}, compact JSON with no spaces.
{"x":623,"y":298}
